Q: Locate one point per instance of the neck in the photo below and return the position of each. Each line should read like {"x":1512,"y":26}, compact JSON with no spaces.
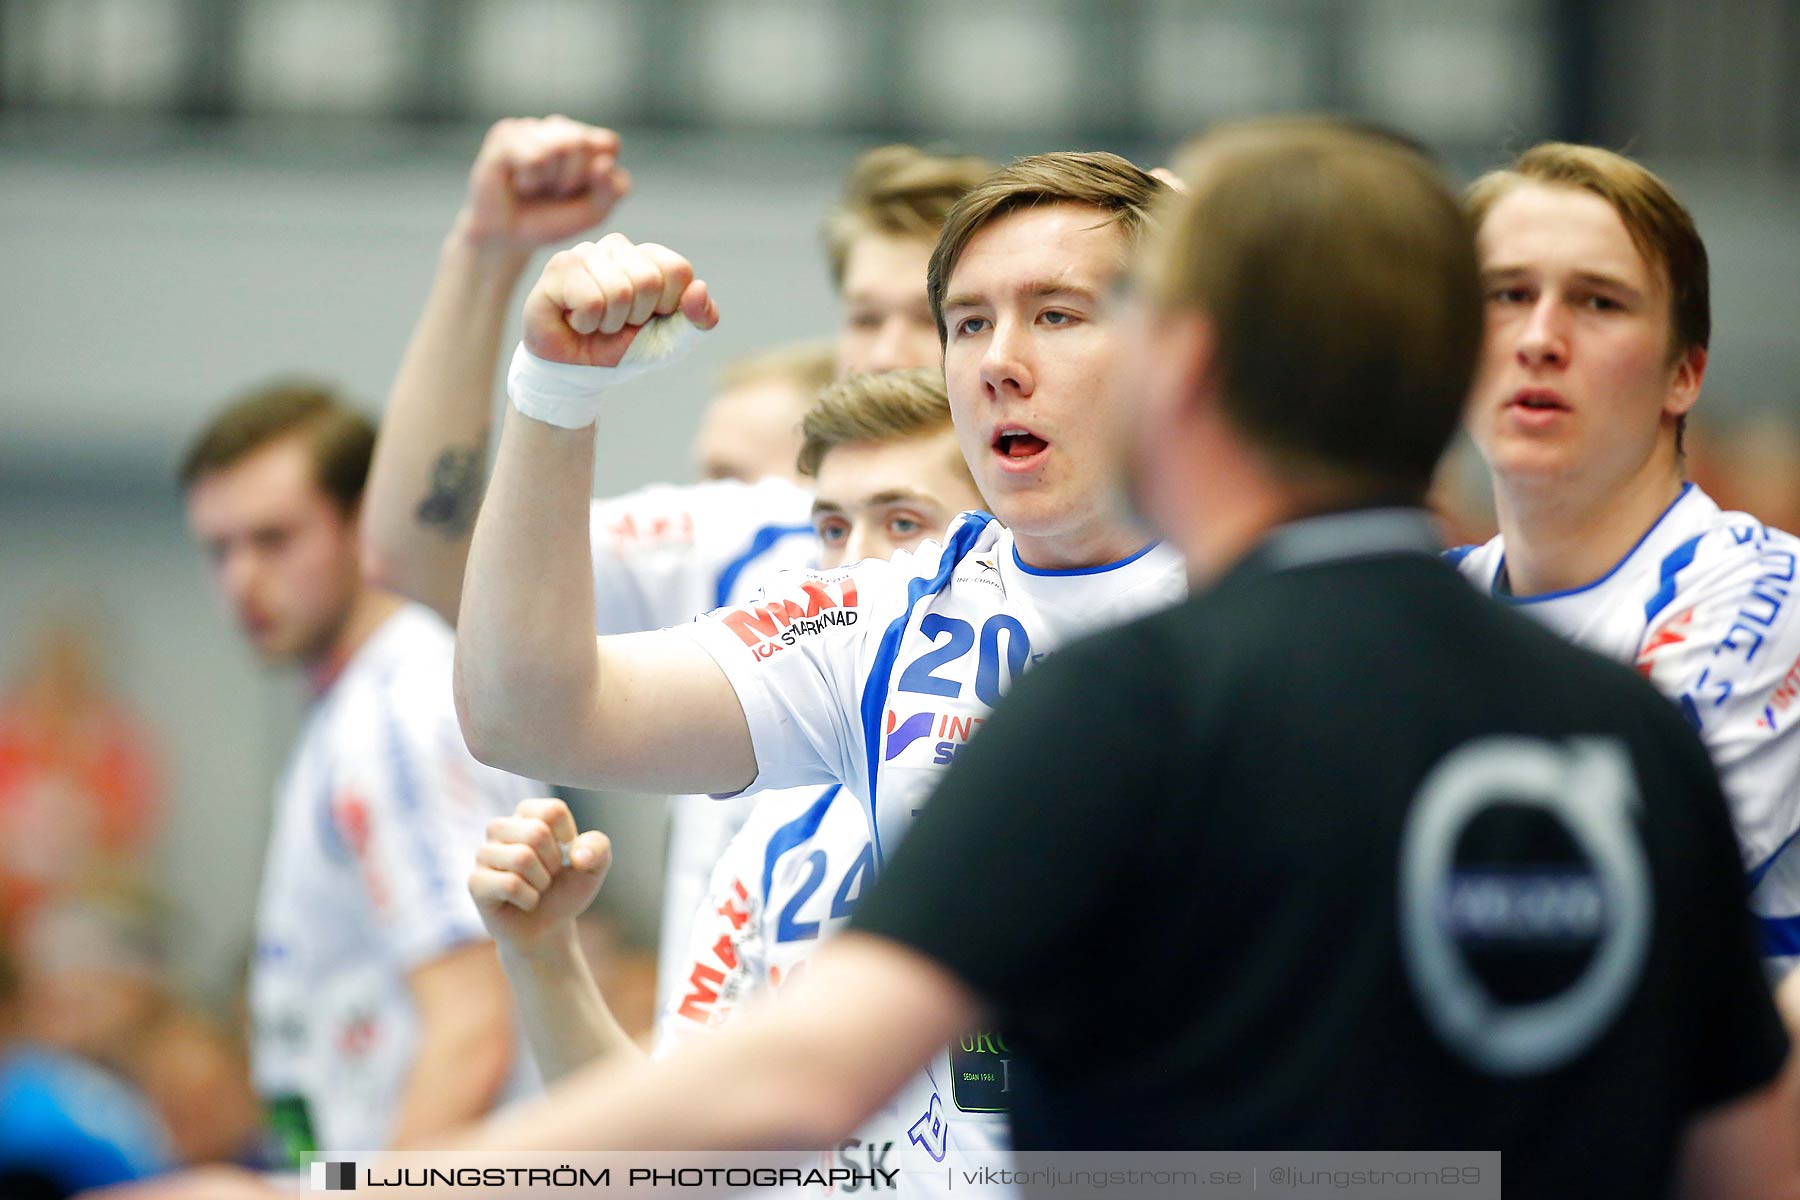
{"x":367,"y":612}
{"x":1090,"y":548}
{"x":1556,"y":541}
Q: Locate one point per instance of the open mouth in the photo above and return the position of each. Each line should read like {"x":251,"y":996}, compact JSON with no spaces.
{"x":1018,"y":443}
{"x":1539,"y":400}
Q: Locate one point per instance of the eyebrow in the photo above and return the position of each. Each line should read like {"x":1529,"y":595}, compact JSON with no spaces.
{"x":1036,"y":289}
{"x":892,"y":496}
{"x":1589,"y":278}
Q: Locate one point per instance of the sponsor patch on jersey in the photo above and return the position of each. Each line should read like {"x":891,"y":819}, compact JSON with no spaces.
{"x":643,"y":530}
{"x":929,"y":1132}
{"x":1783,"y":698}
{"x":981,"y":1073}
{"x":776,"y":622}
{"x":982,"y":571}
{"x":939,"y":735}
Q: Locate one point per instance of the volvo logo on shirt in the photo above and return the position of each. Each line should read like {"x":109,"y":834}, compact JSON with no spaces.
{"x":1525,"y":902}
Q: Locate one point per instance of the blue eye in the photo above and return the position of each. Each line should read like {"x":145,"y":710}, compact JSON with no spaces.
{"x":970,"y":326}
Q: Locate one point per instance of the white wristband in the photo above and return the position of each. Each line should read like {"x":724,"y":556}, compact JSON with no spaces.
{"x":568,"y":395}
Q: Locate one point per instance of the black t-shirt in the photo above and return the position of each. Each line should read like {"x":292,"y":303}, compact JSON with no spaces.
{"x":1340,"y":854}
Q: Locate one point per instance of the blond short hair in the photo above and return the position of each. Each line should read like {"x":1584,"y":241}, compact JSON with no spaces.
{"x":1119,"y":190}
{"x":807,"y":367}
{"x":1659,"y":225}
{"x":884,"y":407}
{"x":898,"y":191}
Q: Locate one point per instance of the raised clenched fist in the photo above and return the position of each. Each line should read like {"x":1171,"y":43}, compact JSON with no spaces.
{"x":541,"y":180}
{"x":593,"y":299}
{"x":522,"y":886}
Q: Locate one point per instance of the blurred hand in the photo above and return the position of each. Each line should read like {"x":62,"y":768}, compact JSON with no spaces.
{"x":524,"y":892}
{"x":593,"y":299}
{"x":541,"y":180}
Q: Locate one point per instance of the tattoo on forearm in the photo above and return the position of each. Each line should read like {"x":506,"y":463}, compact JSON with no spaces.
{"x":455,"y":493}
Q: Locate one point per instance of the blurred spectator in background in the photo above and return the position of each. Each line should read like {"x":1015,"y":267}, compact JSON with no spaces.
{"x":1750,"y":464}
{"x":65,"y":1125}
{"x":97,"y":984}
{"x":79,"y":784}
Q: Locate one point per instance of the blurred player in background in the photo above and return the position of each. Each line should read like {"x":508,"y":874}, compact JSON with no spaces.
{"x":662,"y":553}
{"x":380,"y":1014}
{"x":887,"y":473}
{"x":1598,"y":319}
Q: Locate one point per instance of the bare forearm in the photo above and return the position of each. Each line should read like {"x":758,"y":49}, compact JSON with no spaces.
{"x":527,"y":670}
{"x":764,"y":1094}
{"x":431,"y":459}
{"x":456,"y":1077}
{"x":567,"y":1021}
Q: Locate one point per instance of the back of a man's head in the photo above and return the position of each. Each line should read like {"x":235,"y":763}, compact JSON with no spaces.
{"x":1339,"y":275}
{"x":339,"y":439}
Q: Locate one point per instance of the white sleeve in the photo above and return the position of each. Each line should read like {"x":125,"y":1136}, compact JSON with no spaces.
{"x":1724,"y":642}
{"x":426,"y":806}
{"x":798,"y":659}
{"x":725,"y":963}
{"x":665,"y":553}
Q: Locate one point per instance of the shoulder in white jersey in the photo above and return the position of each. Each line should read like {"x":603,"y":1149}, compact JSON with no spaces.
{"x":875,"y":675}
{"x":1705,"y":606}
{"x":666,"y":552}
{"x":376,"y":822}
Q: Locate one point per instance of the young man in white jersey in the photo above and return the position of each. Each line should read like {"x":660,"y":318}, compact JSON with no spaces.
{"x":871,"y":676}
{"x":664,"y":552}
{"x":380,"y":1014}
{"x":1598,"y":323}
{"x":887,"y":472}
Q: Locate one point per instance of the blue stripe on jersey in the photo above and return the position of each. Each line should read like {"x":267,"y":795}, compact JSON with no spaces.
{"x":1576,"y":591}
{"x":1757,"y":872}
{"x":1674,"y":564}
{"x":1102,"y":569}
{"x":793,"y":833}
{"x":761,"y":542}
{"x":1780,"y":936}
{"x":1453,"y":557}
{"x":875,"y":691}
{"x":407,"y":791}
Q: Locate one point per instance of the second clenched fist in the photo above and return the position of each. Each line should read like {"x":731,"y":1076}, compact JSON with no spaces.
{"x":592,"y":300}
{"x":542,"y":180}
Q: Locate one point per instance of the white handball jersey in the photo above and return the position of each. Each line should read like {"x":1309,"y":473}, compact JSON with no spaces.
{"x":789,"y":878}
{"x":875,"y":676}
{"x":661,"y":555}
{"x":1706,"y":608}
{"x":375,"y":829}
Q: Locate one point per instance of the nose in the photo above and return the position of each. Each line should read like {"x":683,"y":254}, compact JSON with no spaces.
{"x":1543,"y":340}
{"x":236,"y":575}
{"x":1006,"y":364}
{"x":862,"y":543}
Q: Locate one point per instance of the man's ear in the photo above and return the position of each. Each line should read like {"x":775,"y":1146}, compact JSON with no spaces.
{"x":1188,"y":344}
{"x":1684,"y":384}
